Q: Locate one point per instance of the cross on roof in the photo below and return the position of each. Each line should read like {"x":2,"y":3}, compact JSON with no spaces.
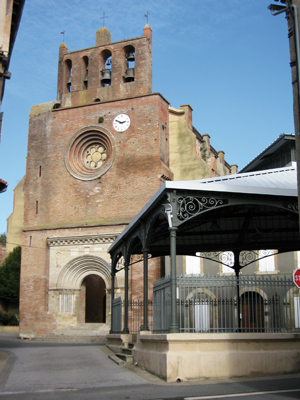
{"x":104,"y":18}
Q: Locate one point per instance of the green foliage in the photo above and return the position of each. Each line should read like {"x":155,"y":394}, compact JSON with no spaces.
{"x":3,"y":239}
{"x":9,"y":319}
{"x":10,"y":276}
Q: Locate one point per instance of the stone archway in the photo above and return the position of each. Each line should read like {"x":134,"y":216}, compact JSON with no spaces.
{"x":90,"y":276}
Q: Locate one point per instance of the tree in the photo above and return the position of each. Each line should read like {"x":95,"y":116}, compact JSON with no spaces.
{"x":3,"y":239}
{"x":10,"y":276}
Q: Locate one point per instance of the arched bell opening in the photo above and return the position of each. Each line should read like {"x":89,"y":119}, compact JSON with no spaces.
{"x":93,"y":300}
{"x":106,"y":61}
{"x":129,"y":64}
{"x":85,"y":72}
{"x":68,"y":69}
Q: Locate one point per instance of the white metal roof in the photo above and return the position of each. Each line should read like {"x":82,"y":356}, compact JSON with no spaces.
{"x":279,"y":181}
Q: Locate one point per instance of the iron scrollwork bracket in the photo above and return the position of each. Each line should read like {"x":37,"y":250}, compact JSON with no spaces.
{"x":192,"y":206}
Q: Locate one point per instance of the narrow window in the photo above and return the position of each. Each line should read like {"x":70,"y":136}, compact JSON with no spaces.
{"x":30,"y":241}
{"x":266,"y":264}
{"x":40,"y":171}
{"x":85,"y":73}
{"x":36,"y":207}
{"x":69,"y":75}
{"x":106,"y":61}
{"x":129,"y":64}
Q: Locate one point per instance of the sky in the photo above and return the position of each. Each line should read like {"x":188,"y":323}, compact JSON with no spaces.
{"x":228,"y":59}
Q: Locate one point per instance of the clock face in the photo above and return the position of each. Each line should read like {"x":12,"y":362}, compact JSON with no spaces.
{"x":121,"y":122}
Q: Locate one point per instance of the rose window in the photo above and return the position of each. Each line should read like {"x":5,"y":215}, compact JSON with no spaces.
{"x":90,"y":153}
{"x":95,"y":156}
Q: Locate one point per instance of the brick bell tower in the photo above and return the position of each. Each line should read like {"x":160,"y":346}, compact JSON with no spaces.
{"x":95,"y":157}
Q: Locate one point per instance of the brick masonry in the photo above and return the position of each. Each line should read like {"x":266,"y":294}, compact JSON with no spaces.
{"x":57,"y":204}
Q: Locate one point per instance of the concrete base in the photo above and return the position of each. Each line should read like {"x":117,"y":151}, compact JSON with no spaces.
{"x":116,"y":341}
{"x":9,"y":329}
{"x":201,"y":356}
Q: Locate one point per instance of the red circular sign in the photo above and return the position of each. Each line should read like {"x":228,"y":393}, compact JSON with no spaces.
{"x":296,"y":276}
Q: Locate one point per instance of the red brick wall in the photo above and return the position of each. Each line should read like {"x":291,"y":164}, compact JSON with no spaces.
{"x":70,"y":206}
{"x":122,"y":191}
{"x":137,"y":276}
{"x":141,"y":85}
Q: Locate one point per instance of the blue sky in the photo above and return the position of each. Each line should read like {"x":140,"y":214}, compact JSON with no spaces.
{"x":228,"y":59}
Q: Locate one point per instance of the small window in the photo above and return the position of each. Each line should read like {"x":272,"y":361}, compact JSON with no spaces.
{"x":40,"y":171}
{"x":36,"y":207}
{"x":266,"y":264}
{"x":192,"y":265}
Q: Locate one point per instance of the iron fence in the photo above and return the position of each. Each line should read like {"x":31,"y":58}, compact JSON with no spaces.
{"x":135,"y":315}
{"x":228,"y":304}
{"x":218,"y":304}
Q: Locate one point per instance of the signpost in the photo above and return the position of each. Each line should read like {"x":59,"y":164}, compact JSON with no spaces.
{"x":296,"y":277}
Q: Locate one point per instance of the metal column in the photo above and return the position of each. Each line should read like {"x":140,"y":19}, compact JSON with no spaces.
{"x":145,"y":327}
{"x":126,"y":330}
{"x":173,"y":326}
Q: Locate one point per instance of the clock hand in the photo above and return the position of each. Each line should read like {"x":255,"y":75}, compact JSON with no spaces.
{"x":120,"y":122}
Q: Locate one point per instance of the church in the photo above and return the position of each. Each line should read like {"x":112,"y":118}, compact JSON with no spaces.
{"x":96,"y":155}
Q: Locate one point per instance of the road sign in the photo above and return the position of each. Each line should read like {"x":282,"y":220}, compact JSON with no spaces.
{"x":296,"y":276}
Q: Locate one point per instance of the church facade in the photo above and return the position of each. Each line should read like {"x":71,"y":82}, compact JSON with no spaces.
{"x":95,"y":156}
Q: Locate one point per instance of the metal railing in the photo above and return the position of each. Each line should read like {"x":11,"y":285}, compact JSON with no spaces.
{"x":228,"y":304}
{"x":135,"y":315}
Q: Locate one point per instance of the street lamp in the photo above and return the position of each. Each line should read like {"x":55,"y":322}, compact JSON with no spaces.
{"x":276,"y":9}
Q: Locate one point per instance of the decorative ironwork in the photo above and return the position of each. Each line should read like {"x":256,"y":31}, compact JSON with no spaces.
{"x":247,"y":257}
{"x":294,"y":207}
{"x":224,"y":257}
{"x":191,"y":206}
{"x":120,"y":264}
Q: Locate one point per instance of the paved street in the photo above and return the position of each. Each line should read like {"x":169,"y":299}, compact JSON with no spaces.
{"x":35,"y":370}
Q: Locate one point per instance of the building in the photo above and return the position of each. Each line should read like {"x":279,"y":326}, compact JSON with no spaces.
{"x":10,"y":17}
{"x":223,"y":325}
{"x":95,"y":157}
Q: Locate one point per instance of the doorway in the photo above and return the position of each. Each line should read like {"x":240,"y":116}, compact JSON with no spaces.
{"x":252,"y":310}
{"x":95,"y":299}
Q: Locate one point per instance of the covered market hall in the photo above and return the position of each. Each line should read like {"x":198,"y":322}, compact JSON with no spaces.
{"x":241,"y":214}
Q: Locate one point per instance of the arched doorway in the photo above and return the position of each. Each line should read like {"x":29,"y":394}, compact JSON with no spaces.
{"x":93,"y":296}
{"x":252,"y":310}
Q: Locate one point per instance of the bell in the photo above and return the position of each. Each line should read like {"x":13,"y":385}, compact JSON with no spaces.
{"x":86,"y":78}
{"x":69,"y":83}
{"x":130,"y":56}
{"x":129,"y":77}
{"x":106,"y":79}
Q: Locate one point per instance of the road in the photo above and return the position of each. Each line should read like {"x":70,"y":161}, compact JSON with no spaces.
{"x":34,"y":371}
